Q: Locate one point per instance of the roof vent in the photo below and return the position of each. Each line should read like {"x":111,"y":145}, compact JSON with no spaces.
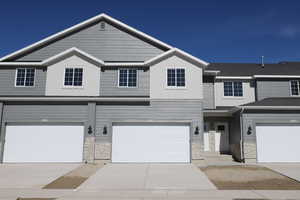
{"x":262,"y":61}
{"x":102,"y":26}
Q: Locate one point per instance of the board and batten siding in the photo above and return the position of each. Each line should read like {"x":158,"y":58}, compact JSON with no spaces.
{"x":56,"y":75}
{"x":208,"y":93}
{"x":248,"y":94}
{"x":193,"y":80}
{"x":165,"y":111}
{"x":111,"y":44}
{"x":7,"y":83}
{"x":273,"y":88}
{"x":109,"y":83}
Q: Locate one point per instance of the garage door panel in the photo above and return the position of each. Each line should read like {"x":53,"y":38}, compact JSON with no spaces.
{"x":278,"y":143}
{"x":43,"y":144}
{"x":150,"y":144}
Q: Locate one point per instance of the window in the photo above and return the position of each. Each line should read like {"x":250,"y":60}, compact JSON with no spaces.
{"x":295,"y":88}
{"x":25,"y":77}
{"x":233,"y":89}
{"x":176,"y":77}
{"x":73,"y":77}
{"x":127,"y":77}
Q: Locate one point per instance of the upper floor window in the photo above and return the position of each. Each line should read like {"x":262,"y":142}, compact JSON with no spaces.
{"x":25,"y":77}
{"x":176,"y":77}
{"x":73,"y":76}
{"x":295,"y":88}
{"x":233,"y":88}
{"x":127,"y":77}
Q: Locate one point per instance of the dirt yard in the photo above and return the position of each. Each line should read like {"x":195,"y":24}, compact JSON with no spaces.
{"x":249,"y":177}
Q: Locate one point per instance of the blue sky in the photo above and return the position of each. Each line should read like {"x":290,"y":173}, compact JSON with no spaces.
{"x":215,"y":31}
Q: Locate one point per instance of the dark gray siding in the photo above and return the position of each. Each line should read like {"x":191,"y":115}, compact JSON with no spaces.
{"x":7,"y":83}
{"x":272,"y":88}
{"x":235,"y":136}
{"x":109,"y":84}
{"x":157,"y":110}
{"x":112,"y":44}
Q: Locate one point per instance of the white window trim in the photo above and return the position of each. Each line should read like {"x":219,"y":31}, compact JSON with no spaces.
{"x":291,"y":94}
{"x":233,"y":97}
{"x":137,"y":78}
{"x":72,"y":86}
{"x":16,"y":74}
{"x":176,"y":87}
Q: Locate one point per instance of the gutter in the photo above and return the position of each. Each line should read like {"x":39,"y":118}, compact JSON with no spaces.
{"x":271,"y":107}
{"x":73,"y":99}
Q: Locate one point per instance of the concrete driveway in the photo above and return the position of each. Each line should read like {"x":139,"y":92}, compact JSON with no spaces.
{"x":291,"y":170}
{"x":148,"y":177}
{"x":31,"y":175}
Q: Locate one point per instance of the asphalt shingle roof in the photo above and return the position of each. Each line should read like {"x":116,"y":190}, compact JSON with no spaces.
{"x":250,"y":69}
{"x":276,"y":101}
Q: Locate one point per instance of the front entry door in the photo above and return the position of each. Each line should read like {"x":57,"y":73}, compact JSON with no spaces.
{"x":222,"y":137}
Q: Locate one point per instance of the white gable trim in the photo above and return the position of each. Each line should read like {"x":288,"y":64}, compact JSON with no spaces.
{"x":175,"y":51}
{"x":80,"y":25}
{"x":71,"y":51}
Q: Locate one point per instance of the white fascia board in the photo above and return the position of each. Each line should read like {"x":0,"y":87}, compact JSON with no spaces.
{"x":72,"y":99}
{"x":174,"y":51}
{"x":276,"y":76}
{"x":271,"y":107}
{"x":138,"y":64}
{"x":21,"y":64}
{"x":80,"y":25}
{"x":69,"y":51}
{"x":234,"y":77}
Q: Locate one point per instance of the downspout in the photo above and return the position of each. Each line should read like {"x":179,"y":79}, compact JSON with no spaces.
{"x":242,"y":135}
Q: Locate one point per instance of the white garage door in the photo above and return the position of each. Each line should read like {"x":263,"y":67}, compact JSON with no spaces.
{"x":278,"y":143}
{"x":43,"y":144}
{"x":150,"y":143}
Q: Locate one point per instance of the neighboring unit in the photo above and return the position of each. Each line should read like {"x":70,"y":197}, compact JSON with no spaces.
{"x":102,"y":90}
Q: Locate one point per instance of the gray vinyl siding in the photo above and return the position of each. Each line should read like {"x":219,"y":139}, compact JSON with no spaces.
{"x":112,"y":44}
{"x":156,"y":111}
{"x":109,"y":84}
{"x":45,"y":113}
{"x":208,"y":96}
{"x":272,"y":88}
{"x":7,"y":83}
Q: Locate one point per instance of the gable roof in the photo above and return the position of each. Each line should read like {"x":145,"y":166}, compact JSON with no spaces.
{"x":179,"y":53}
{"x":80,"y":26}
{"x":69,"y":52}
{"x":252,"y":69}
{"x":274,"y":103}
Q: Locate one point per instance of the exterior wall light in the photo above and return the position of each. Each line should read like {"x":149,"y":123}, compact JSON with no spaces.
{"x":104,"y":130}
{"x":90,"y":130}
{"x":197,"y":130}
{"x":249,"y":131}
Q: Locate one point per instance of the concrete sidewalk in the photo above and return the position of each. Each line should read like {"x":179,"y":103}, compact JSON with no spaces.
{"x":148,"y":177}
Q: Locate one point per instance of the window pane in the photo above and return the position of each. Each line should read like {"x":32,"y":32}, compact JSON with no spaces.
{"x":238,"y":89}
{"x":295,"y":87}
{"x":29,"y":81}
{"x":123,"y":77}
{"x":78,"y":76}
{"x":69,"y":76}
{"x":20,"y":80}
{"x":171,"y":77}
{"x":180,"y":74}
{"x":228,"y":89}
{"x":132,"y":77}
